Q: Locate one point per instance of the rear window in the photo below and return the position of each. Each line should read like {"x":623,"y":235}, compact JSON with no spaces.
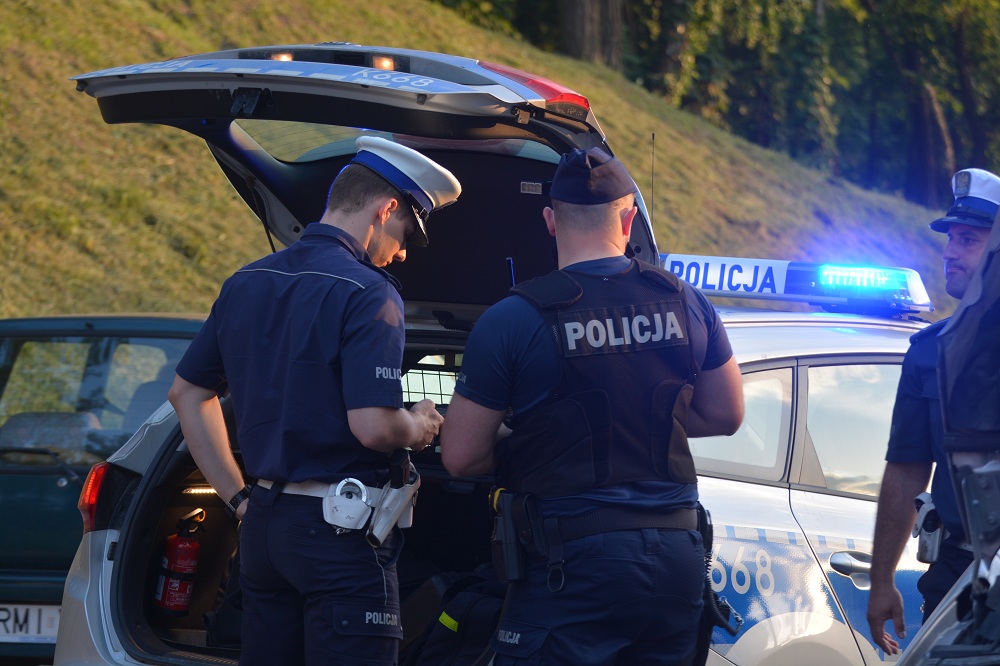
{"x":77,"y":399}
{"x":290,"y":141}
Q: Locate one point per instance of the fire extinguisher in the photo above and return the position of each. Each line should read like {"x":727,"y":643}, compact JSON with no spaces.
{"x":179,"y":566}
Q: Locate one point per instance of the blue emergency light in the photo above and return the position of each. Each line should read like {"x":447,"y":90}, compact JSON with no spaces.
{"x":877,"y":290}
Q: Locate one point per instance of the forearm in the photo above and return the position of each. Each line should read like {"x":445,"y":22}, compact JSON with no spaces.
{"x":386,"y":429}
{"x":469,"y":435}
{"x":204,"y":430}
{"x":896,"y":514}
{"x":717,"y":402}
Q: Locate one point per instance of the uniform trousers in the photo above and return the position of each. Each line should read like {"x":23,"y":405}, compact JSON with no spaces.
{"x":942,"y":575}
{"x":630,"y":597}
{"x":311,"y":596}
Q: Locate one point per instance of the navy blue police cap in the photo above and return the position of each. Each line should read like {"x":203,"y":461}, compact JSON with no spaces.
{"x":977,"y":197}
{"x":590,"y":177}
{"x":425,"y":185}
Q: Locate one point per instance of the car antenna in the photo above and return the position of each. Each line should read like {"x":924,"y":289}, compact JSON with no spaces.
{"x":652,"y":166}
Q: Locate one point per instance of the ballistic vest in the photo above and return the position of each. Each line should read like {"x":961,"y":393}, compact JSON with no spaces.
{"x":618,"y":411}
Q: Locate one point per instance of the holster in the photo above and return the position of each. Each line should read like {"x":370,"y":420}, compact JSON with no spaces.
{"x":928,"y":529}
{"x":507,"y":550}
{"x":716,"y":611}
{"x":394,"y":507}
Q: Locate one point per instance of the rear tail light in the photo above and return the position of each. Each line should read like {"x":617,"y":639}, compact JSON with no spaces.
{"x":558,"y":98}
{"x":90,"y":494}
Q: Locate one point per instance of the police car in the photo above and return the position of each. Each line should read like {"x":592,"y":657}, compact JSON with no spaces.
{"x":792,"y":493}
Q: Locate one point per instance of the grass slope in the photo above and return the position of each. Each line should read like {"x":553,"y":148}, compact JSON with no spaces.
{"x":135,"y":218}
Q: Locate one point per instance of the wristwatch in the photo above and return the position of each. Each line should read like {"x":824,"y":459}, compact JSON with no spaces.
{"x":234,"y":502}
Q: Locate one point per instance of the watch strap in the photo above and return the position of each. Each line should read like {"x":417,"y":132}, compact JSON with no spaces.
{"x":234,"y":502}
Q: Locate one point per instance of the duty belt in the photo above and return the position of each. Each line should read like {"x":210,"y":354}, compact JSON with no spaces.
{"x":313,"y":488}
{"x":545,"y":536}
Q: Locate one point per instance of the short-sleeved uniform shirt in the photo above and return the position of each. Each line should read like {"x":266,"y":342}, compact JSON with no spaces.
{"x":299,"y":337}
{"x":511,"y":362}
{"x":917,"y":434}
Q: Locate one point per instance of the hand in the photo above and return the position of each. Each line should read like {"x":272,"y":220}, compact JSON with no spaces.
{"x":241,"y":510}
{"x":885,"y":603}
{"x":429,"y":422}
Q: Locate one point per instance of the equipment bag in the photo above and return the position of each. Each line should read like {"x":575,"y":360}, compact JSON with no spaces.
{"x":470,"y":613}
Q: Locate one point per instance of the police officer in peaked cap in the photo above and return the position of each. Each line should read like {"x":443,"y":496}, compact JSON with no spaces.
{"x":308,"y":341}
{"x":579,"y":392}
{"x":916,"y":439}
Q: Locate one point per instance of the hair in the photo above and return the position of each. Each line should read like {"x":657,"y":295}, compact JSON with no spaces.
{"x":592,"y":217}
{"x":356,"y":186}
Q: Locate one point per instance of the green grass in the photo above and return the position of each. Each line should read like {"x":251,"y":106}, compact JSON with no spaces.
{"x":136,"y":218}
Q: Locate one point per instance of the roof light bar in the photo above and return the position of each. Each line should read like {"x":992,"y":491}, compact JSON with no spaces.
{"x":558,"y":98}
{"x":836,"y":287}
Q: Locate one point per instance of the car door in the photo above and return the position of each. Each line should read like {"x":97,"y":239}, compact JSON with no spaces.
{"x":762,"y":563}
{"x":64,"y":402}
{"x":845,"y":415}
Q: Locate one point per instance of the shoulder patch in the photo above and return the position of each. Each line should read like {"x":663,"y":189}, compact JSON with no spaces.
{"x":557,"y":289}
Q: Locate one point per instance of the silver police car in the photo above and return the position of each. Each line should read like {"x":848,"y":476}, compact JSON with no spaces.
{"x":792,"y":493}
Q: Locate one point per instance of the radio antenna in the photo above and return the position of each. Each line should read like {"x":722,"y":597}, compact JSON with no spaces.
{"x":652,"y":179}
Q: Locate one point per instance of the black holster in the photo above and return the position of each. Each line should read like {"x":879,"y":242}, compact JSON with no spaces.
{"x":716,"y":611}
{"x":508,"y":553}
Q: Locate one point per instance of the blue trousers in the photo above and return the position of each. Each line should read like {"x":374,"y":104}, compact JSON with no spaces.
{"x":630,"y":597}
{"x":311,"y":596}
{"x":939,"y":578}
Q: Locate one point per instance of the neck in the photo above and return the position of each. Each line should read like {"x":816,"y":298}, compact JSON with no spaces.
{"x":574,"y":252}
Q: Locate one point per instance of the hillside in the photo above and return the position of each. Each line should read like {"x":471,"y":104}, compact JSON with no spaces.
{"x":134,"y":218}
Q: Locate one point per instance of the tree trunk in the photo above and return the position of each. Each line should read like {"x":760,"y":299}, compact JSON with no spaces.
{"x":967,"y":93}
{"x":580,"y":29}
{"x":613,"y":33}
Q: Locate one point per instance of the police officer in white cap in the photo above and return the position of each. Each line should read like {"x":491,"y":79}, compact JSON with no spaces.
{"x":916,"y":440}
{"x":594,"y":367}
{"x":308,"y":341}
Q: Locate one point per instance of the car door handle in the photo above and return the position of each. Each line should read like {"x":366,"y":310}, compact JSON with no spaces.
{"x":851,"y":563}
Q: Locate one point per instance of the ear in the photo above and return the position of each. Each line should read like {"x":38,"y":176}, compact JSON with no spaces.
{"x":385,"y":209}
{"x":550,"y":220}
{"x":627,"y":217}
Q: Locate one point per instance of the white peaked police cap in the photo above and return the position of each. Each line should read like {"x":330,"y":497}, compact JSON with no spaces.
{"x":977,"y":197}
{"x":425,"y":185}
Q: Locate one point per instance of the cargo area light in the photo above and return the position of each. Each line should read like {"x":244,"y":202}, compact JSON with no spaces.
{"x":879,"y":290}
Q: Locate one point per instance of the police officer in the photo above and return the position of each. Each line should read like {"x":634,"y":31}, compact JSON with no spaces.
{"x":309,"y":343}
{"x":605,"y":367}
{"x":917,"y":434}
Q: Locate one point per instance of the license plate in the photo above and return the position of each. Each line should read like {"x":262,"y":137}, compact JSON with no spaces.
{"x":28,"y":624}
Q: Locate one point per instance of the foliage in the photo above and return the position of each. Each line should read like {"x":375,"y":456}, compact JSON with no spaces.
{"x":134,"y":218}
{"x":891,"y":94}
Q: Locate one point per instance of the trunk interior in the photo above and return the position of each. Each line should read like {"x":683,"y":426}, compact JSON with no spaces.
{"x":450,"y":536}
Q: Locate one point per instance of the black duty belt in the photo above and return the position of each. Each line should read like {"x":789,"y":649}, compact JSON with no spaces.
{"x":545,"y":536}
{"x":614,"y":519}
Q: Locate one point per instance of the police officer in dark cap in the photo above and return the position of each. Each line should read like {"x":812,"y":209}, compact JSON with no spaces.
{"x":309,"y":344}
{"x":916,"y":440}
{"x":579,"y":392}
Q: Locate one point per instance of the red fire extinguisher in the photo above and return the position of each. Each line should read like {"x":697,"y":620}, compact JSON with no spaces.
{"x":179,"y":566}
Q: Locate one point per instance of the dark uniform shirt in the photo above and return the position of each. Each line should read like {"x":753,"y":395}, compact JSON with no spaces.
{"x":917,"y":434}
{"x":299,"y":337}
{"x":511,"y":362}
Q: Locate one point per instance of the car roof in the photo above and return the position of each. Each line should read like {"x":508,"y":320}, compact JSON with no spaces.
{"x":758,"y":334}
{"x":144,"y":325}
